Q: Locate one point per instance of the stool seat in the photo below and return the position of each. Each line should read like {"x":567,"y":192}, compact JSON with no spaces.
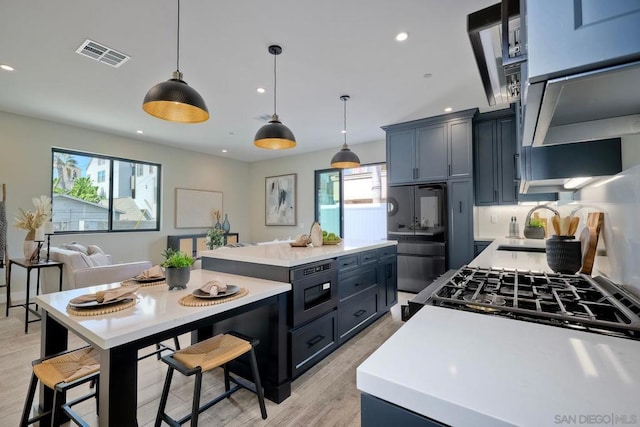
{"x":67,"y":367}
{"x":204,"y":356}
{"x":213,"y":352}
{"x":61,"y":373}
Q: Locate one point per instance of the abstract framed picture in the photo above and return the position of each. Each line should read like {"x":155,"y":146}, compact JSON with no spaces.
{"x":280,"y":200}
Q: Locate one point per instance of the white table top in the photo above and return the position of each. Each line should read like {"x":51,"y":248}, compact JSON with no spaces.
{"x":492,"y":257}
{"x":284,"y":255}
{"x":157,"y":309}
{"x":469,"y":369}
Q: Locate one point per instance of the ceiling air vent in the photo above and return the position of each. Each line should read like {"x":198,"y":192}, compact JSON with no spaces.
{"x":102,"y":53}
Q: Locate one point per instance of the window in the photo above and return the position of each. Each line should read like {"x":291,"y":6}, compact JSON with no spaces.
{"x":121,"y":197}
{"x":353,"y":202}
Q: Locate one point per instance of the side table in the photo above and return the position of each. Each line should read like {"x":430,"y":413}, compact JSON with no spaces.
{"x":29,"y":265}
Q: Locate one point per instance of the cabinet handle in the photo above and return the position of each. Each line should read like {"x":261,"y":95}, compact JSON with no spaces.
{"x":359,"y":313}
{"x":315,"y":340}
{"x":415,"y":173}
{"x":495,"y":195}
{"x":515,"y":162}
{"x":515,"y":192}
{"x":449,"y":169}
{"x":460,"y":206}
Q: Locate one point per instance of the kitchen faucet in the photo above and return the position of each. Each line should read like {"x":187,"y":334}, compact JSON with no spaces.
{"x":526,"y":221}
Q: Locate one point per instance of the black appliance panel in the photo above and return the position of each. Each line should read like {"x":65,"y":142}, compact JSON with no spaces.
{"x":314,"y":290}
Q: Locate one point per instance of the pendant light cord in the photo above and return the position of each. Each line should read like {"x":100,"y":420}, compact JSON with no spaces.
{"x":345,"y":121}
{"x":275,"y":83}
{"x":178,"y":43}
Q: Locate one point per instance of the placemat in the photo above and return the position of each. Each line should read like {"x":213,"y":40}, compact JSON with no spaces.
{"x":111,"y":308}
{"x":134,"y":282}
{"x":191,"y":301}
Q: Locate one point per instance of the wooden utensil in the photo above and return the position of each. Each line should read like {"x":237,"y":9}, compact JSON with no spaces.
{"x":594,"y":225}
{"x":556,"y":224}
{"x":573,"y":225}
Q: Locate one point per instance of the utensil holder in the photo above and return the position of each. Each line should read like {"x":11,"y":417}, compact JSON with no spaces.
{"x":564,"y":254}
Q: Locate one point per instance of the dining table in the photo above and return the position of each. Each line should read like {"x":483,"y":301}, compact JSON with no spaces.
{"x":156,"y":316}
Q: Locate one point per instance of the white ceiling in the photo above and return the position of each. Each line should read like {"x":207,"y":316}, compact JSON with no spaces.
{"x":330,"y":48}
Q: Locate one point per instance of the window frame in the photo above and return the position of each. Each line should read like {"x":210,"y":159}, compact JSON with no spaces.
{"x":110,"y":160}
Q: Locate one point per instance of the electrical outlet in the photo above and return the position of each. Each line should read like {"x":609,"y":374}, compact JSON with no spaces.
{"x":494,"y":219}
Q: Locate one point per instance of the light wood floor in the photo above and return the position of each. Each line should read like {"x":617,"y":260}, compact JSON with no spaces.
{"x":326,"y":395}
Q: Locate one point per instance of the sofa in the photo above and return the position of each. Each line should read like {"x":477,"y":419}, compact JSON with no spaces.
{"x":85,"y":265}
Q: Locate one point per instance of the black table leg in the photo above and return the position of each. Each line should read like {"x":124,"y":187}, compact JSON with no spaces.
{"x":6,"y":314}
{"x":118,"y":386}
{"x":26,"y":303}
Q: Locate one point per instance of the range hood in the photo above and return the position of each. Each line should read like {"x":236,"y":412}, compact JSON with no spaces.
{"x":495,"y":35}
{"x":549,"y":169}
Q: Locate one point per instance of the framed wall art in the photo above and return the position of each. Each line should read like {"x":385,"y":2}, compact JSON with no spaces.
{"x":280,"y":200}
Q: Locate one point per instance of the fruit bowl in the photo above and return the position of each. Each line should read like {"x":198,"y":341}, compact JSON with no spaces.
{"x":336,"y":241}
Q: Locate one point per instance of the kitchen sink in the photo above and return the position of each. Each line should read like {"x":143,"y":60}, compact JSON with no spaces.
{"x":518,"y":248}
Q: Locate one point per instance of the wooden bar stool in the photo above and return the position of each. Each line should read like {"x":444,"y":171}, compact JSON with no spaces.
{"x":204,"y":356}
{"x":61,"y":373}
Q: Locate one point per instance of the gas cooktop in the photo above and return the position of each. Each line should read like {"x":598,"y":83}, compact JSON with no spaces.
{"x":571,"y":301}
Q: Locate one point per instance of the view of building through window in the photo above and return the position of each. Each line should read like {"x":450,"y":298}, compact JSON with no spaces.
{"x":100,"y":193}
{"x":353,"y":202}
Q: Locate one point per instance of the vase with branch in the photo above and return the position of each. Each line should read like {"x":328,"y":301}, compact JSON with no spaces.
{"x":32,"y":220}
{"x":217,"y":215}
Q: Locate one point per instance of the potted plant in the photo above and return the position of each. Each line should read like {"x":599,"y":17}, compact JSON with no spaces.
{"x":215,"y":238}
{"x":534,"y":230}
{"x":177,"y":267}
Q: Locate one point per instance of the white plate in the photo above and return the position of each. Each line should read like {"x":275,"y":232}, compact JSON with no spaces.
{"x":231,"y":289}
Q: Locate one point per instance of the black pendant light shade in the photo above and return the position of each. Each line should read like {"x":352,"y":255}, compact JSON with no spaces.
{"x":345,"y":158}
{"x":174,"y":100}
{"x":274,"y":135}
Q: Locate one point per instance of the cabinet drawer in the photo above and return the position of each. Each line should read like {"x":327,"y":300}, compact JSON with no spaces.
{"x":347,"y":262}
{"x":368,"y":257}
{"x":358,"y":281}
{"x":387,"y":251}
{"x":312,"y":342}
{"x":355,"y":314}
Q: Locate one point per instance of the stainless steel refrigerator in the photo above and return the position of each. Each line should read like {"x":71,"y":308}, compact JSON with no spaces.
{"x":417,"y":219}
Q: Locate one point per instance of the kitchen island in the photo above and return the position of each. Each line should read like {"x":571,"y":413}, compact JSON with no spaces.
{"x":336,"y":291}
{"x":455,"y":367}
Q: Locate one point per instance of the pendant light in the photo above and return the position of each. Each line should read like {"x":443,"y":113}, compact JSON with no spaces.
{"x":174,"y":100}
{"x":274,"y":135}
{"x":345,"y":158}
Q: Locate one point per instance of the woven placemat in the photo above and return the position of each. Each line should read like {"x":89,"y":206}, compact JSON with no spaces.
{"x":111,"y":308}
{"x":191,"y":301}
{"x":134,"y":282}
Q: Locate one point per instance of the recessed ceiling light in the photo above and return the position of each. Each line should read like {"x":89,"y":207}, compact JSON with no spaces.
{"x":261,"y":90}
{"x":448,"y":109}
{"x":224,"y":150}
{"x":139,"y":131}
{"x":6,"y":67}
{"x":402,"y":37}
{"x":343,"y":131}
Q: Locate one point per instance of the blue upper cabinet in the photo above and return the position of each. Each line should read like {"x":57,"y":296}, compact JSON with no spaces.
{"x":401,"y":159}
{"x":571,"y":36}
{"x":430,"y":150}
{"x":431,"y":153}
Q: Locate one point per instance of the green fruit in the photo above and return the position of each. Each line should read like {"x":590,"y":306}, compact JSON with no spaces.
{"x":331,"y":236}
{"x":324,"y":233}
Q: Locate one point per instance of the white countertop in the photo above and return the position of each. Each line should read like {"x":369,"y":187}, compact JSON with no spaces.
{"x":469,"y":369}
{"x":533,"y":261}
{"x":157,"y":308}
{"x":284,"y":255}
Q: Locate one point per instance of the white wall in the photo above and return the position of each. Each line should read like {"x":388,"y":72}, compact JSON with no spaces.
{"x":25,"y":168}
{"x":304,"y":165}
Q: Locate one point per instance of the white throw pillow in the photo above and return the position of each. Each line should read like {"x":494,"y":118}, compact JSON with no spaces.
{"x":93,"y":249}
{"x":75,"y":246}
